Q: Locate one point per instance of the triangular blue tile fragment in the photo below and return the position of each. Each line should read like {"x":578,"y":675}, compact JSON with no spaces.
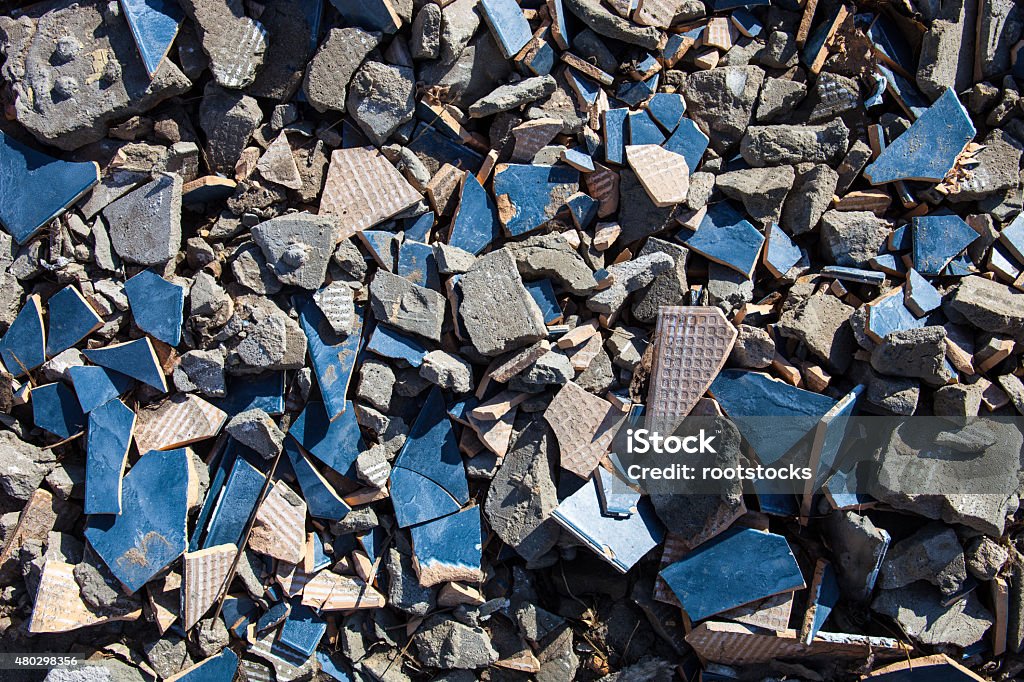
{"x":508,"y":24}
{"x":726,"y":237}
{"x":302,"y":630}
{"x":23,"y":346}
{"x":635,"y":92}
{"x":70,"y":319}
{"x":823,"y":597}
{"x":389,"y":343}
{"x":418,"y":228}
{"x":891,"y":314}
{"x":107,"y":443}
{"x":780,"y":253}
{"x":450,"y":543}
{"x":156,"y":305}
{"x":614,"y":127}
{"x":222,"y":463}
{"x":335,"y":443}
{"x":37,"y":188}
{"x":920,"y":296}
{"x":95,"y":386}
{"x":380,"y":244}
{"x":262,"y":391}
{"x":136,"y":359}
{"x":333,"y":357}
{"x":544,"y":294}
{"x":830,"y":436}
{"x":235,"y":505}
{"x":55,"y":409}
{"x":219,"y":668}
{"x":937,"y":240}
{"x":583,"y":209}
{"x":476,"y":223}
{"x":587,"y":90}
{"x":689,"y":142}
{"x":643,"y":129}
{"x":154,"y":25}
{"x":421,"y":499}
{"x":321,"y":499}
{"x":667,"y":109}
{"x":149,"y":533}
{"x":531,"y":193}
{"x":416,"y":263}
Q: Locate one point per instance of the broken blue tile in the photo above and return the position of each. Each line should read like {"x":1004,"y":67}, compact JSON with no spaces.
{"x":95,"y":386}
{"x":622,"y":542}
{"x":579,"y":160}
{"x":529,"y":196}
{"x":1012,"y":236}
{"x":780,"y":253}
{"x":588,"y":91}
{"x":428,"y":141}
{"x":476,"y":224}
{"x":149,"y":533}
{"x":937,"y":240}
{"x":220,"y":465}
{"x":418,"y":228}
{"x":321,"y":499}
{"x":273,"y":616}
{"x":154,"y":25}
{"x":451,"y":543}
{"x":667,"y":109}
{"x":238,"y":613}
{"x":37,"y":187}
{"x":689,"y":142}
{"x":261,"y":391}
{"x":900,"y":239}
{"x":56,"y":410}
{"x":508,"y":24}
{"x":890,"y":43}
{"x":959,"y":266}
{"x":859,"y":275}
{"x":156,"y":306}
{"x":823,"y":597}
{"x":746,"y":23}
{"x":302,"y":630}
{"x":877,"y":96}
{"x":416,"y":263}
{"x":888,"y":263}
{"x":335,"y":443}
{"x":583,"y":209}
{"x":841,"y":491}
{"x":320,"y":558}
{"x":458,"y":409}
{"x":388,"y":343}
{"x":544,"y":294}
{"x":23,"y":346}
{"x":753,"y":399}
{"x":542,"y":60}
{"x":560,"y":29}
{"x":614,"y":128}
{"x":136,"y":359}
{"x":70,"y":318}
{"x":890,"y":314}
{"x":928,"y":150}
{"x":429,"y":478}
{"x":374,"y":541}
{"x":617,"y":498}
{"x":634,"y":93}
{"x":372,"y":15}
{"x":107,"y":443}
{"x":828,"y":439}
{"x":746,"y":565}
{"x":919,"y":294}
{"x":904,"y":91}
{"x":381,"y":245}
{"x":219,"y":668}
{"x":726,"y":237}
{"x":333,"y":358}
{"x":235,"y":504}
{"x":643,"y":129}
{"x":332,"y":669}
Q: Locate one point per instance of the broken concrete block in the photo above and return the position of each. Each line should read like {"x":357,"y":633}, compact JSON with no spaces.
{"x":781,"y":144}
{"x":407,"y":306}
{"x":552,"y":256}
{"x":447,"y":371}
{"x":821,"y":322}
{"x":255,"y":429}
{"x":920,"y":613}
{"x":332,"y":68}
{"x":852,"y":238}
{"x":762,"y":190}
{"x":447,"y":644}
{"x":809,"y":198}
{"x":229,"y":119}
{"x":145,"y":225}
{"x":426,"y":33}
{"x":913,"y":353}
{"x":507,"y":97}
{"x":721,"y":102}
{"x":234,"y":43}
{"x":298,"y":247}
{"x":498,"y":312}
{"x":380,"y":99}
{"x":202,"y":371}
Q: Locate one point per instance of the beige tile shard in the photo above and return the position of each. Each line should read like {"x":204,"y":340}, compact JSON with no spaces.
{"x":181,"y":419}
{"x":578,"y":335}
{"x":364,"y":188}
{"x":583,"y":355}
{"x":584,"y":426}
{"x":719,"y":33}
{"x":664,"y":174}
{"x":659,"y":13}
{"x":495,"y":434}
{"x":165,"y":600}
{"x":603,"y":185}
{"x":532,"y":136}
{"x":497,"y":406}
{"x":291,"y":577}
{"x":519,"y":361}
{"x":59,"y":606}
{"x":692,"y":345}
{"x":35,"y":523}
{"x":280,"y":527}
{"x":329,"y":591}
{"x":204,"y":575}
{"x":770,"y":613}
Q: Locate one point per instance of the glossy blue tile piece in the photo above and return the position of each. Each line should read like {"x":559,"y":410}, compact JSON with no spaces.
{"x":831,"y":433}
{"x":149,"y":533}
{"x":643,"y":129}
{"x":55,"y":409}
{"x":579,"y":160}
{"x":37,"y":187}
{"x":929,"y":148}
{"x":219,"y":668}
{"x":70,"y":320}
{"x":107,"y":443}
{"x":453,"y":541}
{"x":859,"y":275}
{"x":321,"y":498}
{"x":235,"y":504}
{"x":667,"y":108}
{"x":430,"y":142}
{"x":746,"y":23}
{"x":335,"y":443}
{"x":221,"y":464}
{"x":919,"y":294}
{"x":476,"y":223}
{"x":95,"y":386}
{"x":23,"y":346}
{"x":617,"y":499}
{"x":302,"y":630}
{"x":532,"y":193}
{"x":136,"y":359}
{"x":543,"y":59}
{"x":237,"y":613}
{"x":824,"y":595}
{"x":544,"y":294}
{"x":962,"y":265}
{"x":780,"y":253}
{"x":381,"y":245}
{"x":583,"y":209}
{"x":753,"y":399}
{"x":888,"y":40}
{"x":900,"y":239}
{"x":725,"y":237}
{"x":560,"y":26}
{"x":887,"y":263}
{"x":329,"y":667}
{"x":156,"y":306}
{"x":374,"y":542}
{"x":614,"y":128}
{"x":416,"y":263}
{"x":508,"y":24}
{"x":154,"y":25}
{"x":905,"y":92}
{"x":388,"y":343}
{"x":429,"y":467}
{"x":273,"y":616}
{"x":320,"y":558}
{"x":334,"y":358}
{"x":634,"y":93}
{"x":418,"y":228}
{"x":261,"y":391}
{"x":689,"y":142}
{"x":372,"y":15}
{"x":746,"y":565}
{"x":588,"y":91}
{"x":937,"y":240}
{"x":891,"y":315}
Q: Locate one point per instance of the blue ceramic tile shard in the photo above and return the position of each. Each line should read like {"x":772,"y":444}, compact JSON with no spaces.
{"x":823,"y":597}
{"x":219,"y":668}
{"x":1012,"y":236}
{"x":55,"y":409}
{"x":746,"y":23}
{"x":261,"y":391}
{"x":372,"y":15}
{"x":149,"y":533}
{"x":888,"y":263}
{"x":334,"y":358}
{"x":302,"y":630}
{"x":428,"y":141}
{"x":689,"y":142}
{"x":156,"y":306}
{"x":890,"y":314}
{"x":726,"y":237}
{"x":154,"y":25}
{"x":900,"y":239}
{"x":859,"y":275}
{"x":329,"y":667}
{"x":667,"y":109}
{"x":617,"y":498}
{"x":429,"y":467}
{"x":828,"y":439}
{"x":579,"y":160}
{"x":614,"y":128}
{"x":622,"y":542}
{"x":544,"y":294}
{"x":107,"y":442}
{"x":753,"y":401}
{"x":321,"y":499}
{"x":937,"y":240}
{"x":235,"y":504}
{"x":221,"y":464}
{"x":335,"y":443}
{"x":388,"y":343}
{"x":508,"y":24}
{"x":418,"y":228}
{"x":542,"y":60}
{"x":95,"y":386}
{"x":320,"y":558}
{"x":841,"y":491}
{"x":634,"y":93}
{"x":904,"y":91}
{"x":583,"y":209}
{"x":37,"y":188}
{"x":737,"y":567}
{"x":780,"y":253}
{"x":476,"y":224}
{"x":587,"y":90}
{"x":919,"y":295}
{"x":23,"y":346}
{"x":70,"y":319}
{"x":643,"y":129}
{"x":136,"y":359}
{"x":273,"y":616}
{"x":451,"y":543}
{"x":928,"y":150}
{"x":416,"y":263}
{"x":891,"y":45}
{"x":238,"y":613}
{"x":960,"y":266}
{"x":529,"y":196}
{"x":559,"y":28}
{"x":381,"y":245}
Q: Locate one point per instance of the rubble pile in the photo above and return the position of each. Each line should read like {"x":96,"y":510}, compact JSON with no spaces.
{"x":317,"y":321}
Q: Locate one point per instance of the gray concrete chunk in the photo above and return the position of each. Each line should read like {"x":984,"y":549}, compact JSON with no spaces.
{"x":497,"y":310}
